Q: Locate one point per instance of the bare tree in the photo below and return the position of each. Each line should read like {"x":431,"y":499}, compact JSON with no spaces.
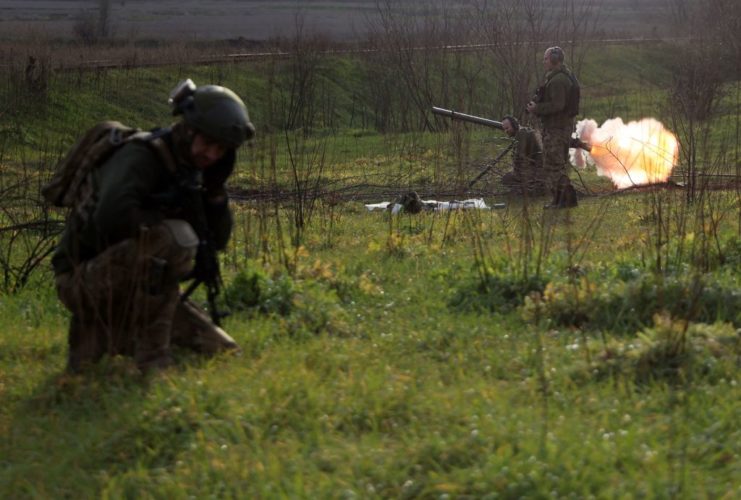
{"x":104,"y":18}
{"x":417,"y":61}
{"x":516,"y":31}
{"x":91,"y":29}
{"x":698,"y":83}
{"x":512,"y":30}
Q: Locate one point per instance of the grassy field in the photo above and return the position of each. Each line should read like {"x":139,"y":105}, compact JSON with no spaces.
{"x":381,"y":368}
{"x":509,"y":353}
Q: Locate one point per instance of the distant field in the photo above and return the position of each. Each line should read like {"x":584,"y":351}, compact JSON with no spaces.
{"x":190,"y":19}
{"x":260,"y":20}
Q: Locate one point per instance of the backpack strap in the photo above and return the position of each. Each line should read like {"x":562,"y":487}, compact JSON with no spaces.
{"x":154,"y":139}
{"x":164,"y":153}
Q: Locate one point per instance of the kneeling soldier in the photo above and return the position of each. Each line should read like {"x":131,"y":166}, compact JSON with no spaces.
{"x":122,"y":256}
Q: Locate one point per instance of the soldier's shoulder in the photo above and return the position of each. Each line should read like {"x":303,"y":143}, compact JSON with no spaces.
{"x":135,"y":152}
{"x":562,"y":77}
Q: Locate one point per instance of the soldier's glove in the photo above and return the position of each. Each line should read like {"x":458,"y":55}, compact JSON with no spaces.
{"x":207,"y":267}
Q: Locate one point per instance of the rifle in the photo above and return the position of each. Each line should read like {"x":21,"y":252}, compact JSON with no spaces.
{"x":207,"y":269}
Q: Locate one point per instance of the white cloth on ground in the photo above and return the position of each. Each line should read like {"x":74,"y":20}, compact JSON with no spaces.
{"x":431,"y":205}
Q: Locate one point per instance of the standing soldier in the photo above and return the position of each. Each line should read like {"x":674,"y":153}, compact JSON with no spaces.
{"x":556,"y":103}
{"x":527,"y":157}
{"x":155,"y":206}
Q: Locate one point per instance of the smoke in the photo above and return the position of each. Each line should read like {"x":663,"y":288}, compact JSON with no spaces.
{"x":637,"y":153}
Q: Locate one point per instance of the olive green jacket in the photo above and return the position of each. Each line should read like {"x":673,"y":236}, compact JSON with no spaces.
{"x":133,"y":189}
{"x":551,"y":108}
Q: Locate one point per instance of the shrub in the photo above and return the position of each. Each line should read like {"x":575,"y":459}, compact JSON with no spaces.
{"x":499,"y":293}
{"x":670,"y":351}
{"x":629,"y":302}
{"x":252,"y":289}
{"x":731,"y":254}
{"x":308,"y":305}
{"x":317,"y":310}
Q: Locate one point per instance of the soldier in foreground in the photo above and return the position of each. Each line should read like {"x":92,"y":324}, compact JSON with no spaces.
{"x":526,"y":175}
{"x":154,"y":208}
{"x":556,"y":104}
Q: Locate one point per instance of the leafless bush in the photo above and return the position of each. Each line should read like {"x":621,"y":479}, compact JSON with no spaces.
{"x":90,"y":28}
{"x":85,"y":28}
{"x":514,"y":32}
{"x":301,"y":106}
{"x":296,"y":107}
{"x":698,"y":83}
{"x":28,"y":228}
{"x":416,"y":62}
{"x":104,"y":18}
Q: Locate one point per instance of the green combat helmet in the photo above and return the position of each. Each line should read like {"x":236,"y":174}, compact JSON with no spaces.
{"x":214,"y":110}
{"x":411,"y":202}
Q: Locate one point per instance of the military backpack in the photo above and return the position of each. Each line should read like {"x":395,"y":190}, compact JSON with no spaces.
{"x":71,"y":185}
{"x":574,"y":95}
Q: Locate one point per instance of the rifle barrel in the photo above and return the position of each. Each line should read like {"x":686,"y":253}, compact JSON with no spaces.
{"x":455,"y":115}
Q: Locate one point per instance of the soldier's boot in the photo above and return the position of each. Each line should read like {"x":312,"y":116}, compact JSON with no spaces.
{"x":193,"y":329}
{"x":86,"y":340}
{"x":568,"y":197}
{"x":556,"y":198}
{"x":152,"y":336}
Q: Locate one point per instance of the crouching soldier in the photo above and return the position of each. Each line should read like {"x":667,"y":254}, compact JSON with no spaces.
{"x":141,"y":224}
{"x":526,"y":176}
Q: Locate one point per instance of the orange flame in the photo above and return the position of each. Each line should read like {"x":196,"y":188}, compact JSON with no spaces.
{"x":641,"y":152}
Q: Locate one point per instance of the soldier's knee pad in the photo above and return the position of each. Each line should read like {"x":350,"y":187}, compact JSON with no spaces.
{"x":175,"y":242}
{"x":184,"y":246}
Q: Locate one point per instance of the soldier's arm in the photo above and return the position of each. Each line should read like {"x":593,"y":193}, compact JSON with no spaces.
{"x":216,"y":200}
{"x":125,"y":183}
{"x":219,"y":218}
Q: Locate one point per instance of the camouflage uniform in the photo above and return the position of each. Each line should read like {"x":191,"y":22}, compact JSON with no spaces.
{"x":556,"y":128}
{"x":118,"y":265}
{"x":527,"y":157}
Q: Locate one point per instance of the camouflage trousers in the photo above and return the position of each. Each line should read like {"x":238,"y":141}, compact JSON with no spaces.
{"x":556,"y":158}
{"x":126,"y":301}
{"x":523,"y":182}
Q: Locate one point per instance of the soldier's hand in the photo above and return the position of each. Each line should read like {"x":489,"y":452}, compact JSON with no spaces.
{"x":206,"y":267}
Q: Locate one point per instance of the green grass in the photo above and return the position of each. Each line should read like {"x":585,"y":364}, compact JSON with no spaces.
{"x":405,"y":396}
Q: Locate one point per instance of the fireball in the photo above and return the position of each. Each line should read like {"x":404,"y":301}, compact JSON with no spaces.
{"x":633,"y":154}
